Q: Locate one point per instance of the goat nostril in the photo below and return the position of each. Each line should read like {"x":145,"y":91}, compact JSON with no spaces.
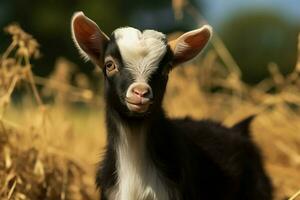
{"x":145,"y":92}
{"x":141,"y":93}
{"x":136,"y":92}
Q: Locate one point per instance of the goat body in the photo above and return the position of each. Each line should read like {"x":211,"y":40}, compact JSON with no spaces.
{"x":180,"y":159}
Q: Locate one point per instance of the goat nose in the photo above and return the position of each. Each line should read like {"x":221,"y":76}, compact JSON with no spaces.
{"x":142,"y":90}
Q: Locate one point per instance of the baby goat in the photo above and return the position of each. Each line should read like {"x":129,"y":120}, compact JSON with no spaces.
{"x":151,"y":157}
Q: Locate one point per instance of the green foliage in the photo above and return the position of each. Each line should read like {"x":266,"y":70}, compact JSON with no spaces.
{"x":257,"y":38}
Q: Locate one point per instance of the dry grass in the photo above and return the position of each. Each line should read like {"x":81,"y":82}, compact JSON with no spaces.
{"x":49,"y":151}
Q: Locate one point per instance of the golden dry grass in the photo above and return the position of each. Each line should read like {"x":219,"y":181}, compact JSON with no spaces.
{"x":50,"y":151}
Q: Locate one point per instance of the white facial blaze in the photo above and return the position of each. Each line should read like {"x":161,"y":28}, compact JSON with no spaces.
{"x":141,"y":51}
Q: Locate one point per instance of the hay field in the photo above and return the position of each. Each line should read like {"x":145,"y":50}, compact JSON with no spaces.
{"x":52,"y":133}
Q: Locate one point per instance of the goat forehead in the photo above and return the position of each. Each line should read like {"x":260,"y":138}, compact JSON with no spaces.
{"x":141,"y":52}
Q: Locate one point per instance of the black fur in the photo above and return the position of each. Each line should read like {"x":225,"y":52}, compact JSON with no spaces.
{"x":243,"y":126}
{"x":197,"y":159}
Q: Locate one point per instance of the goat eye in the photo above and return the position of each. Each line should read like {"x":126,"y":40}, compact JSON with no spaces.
{"x":110,"y":67}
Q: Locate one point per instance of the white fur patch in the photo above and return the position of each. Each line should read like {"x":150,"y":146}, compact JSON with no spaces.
{"x":141,"y":51}
{"x":138,"y":178}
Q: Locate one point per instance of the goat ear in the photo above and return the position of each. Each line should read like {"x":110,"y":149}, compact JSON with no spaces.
{"x":190,"y":44}
{"x":88,"y":38}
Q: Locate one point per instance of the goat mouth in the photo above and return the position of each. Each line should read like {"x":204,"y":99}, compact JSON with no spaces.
{"x":140,"y":106}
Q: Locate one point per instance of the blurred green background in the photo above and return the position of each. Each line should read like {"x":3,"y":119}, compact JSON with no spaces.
{"x":256,"y":32}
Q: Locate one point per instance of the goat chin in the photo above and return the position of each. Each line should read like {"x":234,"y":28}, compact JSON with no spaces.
{"x":139,"y":108}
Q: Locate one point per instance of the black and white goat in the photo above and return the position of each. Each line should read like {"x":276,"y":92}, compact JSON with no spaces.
{"x":151,"y":157}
